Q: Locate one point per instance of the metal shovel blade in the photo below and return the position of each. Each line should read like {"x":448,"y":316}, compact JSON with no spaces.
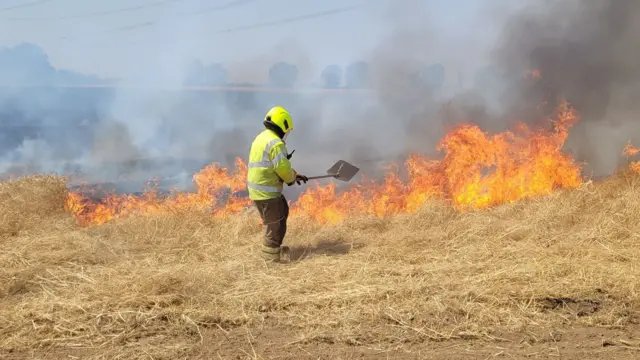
{"x":341,"y":170}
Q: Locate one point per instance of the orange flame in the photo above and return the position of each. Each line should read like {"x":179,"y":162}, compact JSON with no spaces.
{"x":630,"y":151}
{"x":212,"y":182}
{"x":477,"y":171}
{"x":534,"y":74}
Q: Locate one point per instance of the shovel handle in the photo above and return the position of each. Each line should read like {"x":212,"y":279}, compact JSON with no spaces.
{"x":320,"y":177}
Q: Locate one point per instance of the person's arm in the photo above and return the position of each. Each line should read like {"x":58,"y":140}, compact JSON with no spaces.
{"x":281,"y":164}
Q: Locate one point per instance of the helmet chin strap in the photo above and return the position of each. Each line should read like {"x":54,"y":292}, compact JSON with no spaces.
{"x":284,"y":138}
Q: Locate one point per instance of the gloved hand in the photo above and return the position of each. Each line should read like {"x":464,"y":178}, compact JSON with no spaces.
{"x":290,"y":155}
{"x":301,"y":178}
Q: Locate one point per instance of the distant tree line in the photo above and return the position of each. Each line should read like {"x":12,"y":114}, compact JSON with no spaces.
{"x":356,"y":75}
{"x":28,"y":64}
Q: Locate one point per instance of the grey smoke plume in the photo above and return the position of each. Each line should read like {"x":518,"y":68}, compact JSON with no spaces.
{"x":584,"y":50}
{"x":42,"y":127}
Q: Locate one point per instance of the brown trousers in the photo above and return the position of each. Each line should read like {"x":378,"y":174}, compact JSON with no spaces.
{"x":274,"y":214}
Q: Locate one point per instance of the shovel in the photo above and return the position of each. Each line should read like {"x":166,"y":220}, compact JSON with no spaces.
{"x":341,"y":170}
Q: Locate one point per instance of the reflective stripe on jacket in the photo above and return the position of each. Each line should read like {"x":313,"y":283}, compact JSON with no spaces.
{"x":268,"y":167}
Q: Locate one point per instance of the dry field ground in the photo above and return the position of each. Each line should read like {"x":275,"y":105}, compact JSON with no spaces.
{"x":557,"y":277}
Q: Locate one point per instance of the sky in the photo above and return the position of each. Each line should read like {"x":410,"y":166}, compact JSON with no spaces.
{"x":113,"y":38}
{"x":151,"y":42}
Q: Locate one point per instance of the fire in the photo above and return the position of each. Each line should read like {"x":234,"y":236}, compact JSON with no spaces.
{"x":477,"y":171}
{"x":630,"y":151}
{"x":534,"y":74}
{"x":213,"y":182}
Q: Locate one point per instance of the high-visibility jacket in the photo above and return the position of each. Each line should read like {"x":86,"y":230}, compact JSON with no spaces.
{"x":268,"y":167}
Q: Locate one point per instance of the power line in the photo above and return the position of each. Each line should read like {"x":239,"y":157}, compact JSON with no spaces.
{"x":123,"y":28}
{"x":21,"y":6}
{"x":228,"y":5}
{"x":283,"y":21}
{"x":206,"y":10}
{"x":96,"y":13}
{"x":179,"y":17}
{"x":290,"y":20}
{"x":130,"y":27}
{"x":130,"y":9}
{"x":126,"y":9}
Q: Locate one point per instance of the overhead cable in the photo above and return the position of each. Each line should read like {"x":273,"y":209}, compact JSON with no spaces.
{"x":279,"y":22}
{"x":122,"y":10}
{"x":21,"y":6}
{"x":290,"y":20}
{"x":179,"y":17}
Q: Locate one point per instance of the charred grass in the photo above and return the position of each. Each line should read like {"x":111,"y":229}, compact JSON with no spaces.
{"x":159,"y":287}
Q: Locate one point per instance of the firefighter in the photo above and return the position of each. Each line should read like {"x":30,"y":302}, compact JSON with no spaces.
{"x":268,"y":169}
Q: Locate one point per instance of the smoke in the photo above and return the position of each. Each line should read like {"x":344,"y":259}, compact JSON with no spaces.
{"x":584,"y":51}
{"x":432,"y":66}
{"x":41,"y":127}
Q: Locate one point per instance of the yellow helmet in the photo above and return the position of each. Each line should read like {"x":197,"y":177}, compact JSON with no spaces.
{"x":281,"y":118}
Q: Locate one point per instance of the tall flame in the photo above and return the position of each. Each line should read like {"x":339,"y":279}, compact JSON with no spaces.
{"x":477,"y":171}
{"x":630,"y":151}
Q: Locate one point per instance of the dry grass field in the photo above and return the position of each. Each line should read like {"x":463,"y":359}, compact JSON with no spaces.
{"x":553,"y":277}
